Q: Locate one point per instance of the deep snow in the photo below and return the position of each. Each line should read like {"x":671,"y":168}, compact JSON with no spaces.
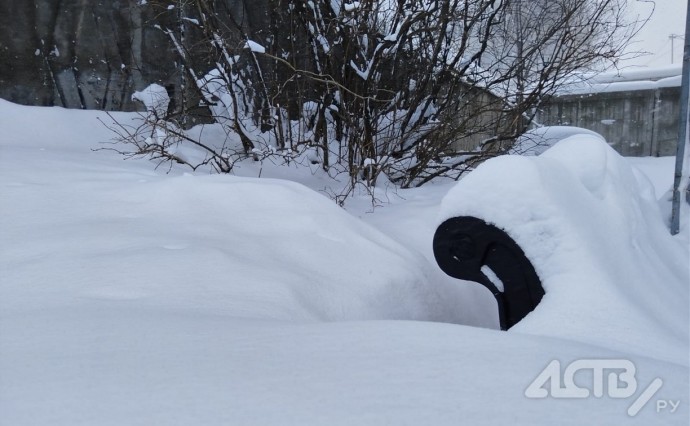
{"x":591,"y":225}
{"x":130,"y":295}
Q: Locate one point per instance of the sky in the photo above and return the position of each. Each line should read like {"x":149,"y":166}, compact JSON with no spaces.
{"x":668,"y":17}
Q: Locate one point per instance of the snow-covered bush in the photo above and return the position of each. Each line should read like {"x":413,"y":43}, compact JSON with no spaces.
{"x":412,"y":90}
{"x":155,"y":98}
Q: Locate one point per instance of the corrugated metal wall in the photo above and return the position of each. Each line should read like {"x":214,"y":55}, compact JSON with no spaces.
{"x":635,"y":123}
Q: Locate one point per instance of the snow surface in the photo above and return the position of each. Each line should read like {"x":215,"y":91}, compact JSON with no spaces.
{"x":536,"y":141}
{"x":133,"y":295}
{"x":591,"y":226}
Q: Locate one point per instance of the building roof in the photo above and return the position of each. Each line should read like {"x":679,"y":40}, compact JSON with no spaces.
{"x":624,"y":80}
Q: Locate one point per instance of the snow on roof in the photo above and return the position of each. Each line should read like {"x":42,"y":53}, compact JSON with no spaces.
{"x":638,"y":74}
{"x":625,"y":80}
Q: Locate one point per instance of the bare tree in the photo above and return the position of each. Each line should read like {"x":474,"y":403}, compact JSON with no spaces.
{"x":413,"y":89}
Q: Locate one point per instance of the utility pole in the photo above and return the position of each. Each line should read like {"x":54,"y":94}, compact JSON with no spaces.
{"x":673,"y":37}
{"x":681,"y":186}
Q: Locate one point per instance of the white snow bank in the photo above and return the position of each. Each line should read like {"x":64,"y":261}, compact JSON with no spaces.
{"x":87,"y":226}
{"x":659,"y":170}
{"x":118,"y":366}
{"x":136,"y":296}
{"x":590,"y":225}
{"x":233,"y":246}
{"x":536,"y":141}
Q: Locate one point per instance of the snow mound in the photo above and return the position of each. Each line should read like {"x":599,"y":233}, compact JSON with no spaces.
{"x":155,"y":98}
{"x":85,"y":227}
{"x":262,"y":249}
{"x":134,"y":296}
{"x":590,"y":224}
{"x":536,"y":141}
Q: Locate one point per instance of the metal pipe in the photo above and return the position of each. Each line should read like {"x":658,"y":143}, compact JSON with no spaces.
{"x":678,"y":185}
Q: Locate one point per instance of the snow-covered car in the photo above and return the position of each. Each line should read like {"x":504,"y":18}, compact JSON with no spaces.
{"x":536,"y":141}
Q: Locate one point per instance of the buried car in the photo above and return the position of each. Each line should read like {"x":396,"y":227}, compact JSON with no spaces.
{"x":536,"y":141}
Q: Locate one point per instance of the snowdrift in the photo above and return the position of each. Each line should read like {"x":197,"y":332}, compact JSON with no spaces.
{"x":136,"y":296}
{"x":590,"y":225}
{"x":234,"y":246}
{"x":87,"y":226}
{"x":537,"y":141}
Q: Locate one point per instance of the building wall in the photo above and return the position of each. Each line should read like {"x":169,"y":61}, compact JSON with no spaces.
{"x":635,"y":123}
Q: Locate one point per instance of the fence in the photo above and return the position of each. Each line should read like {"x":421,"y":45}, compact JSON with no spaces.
{"x":638,"y":118}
